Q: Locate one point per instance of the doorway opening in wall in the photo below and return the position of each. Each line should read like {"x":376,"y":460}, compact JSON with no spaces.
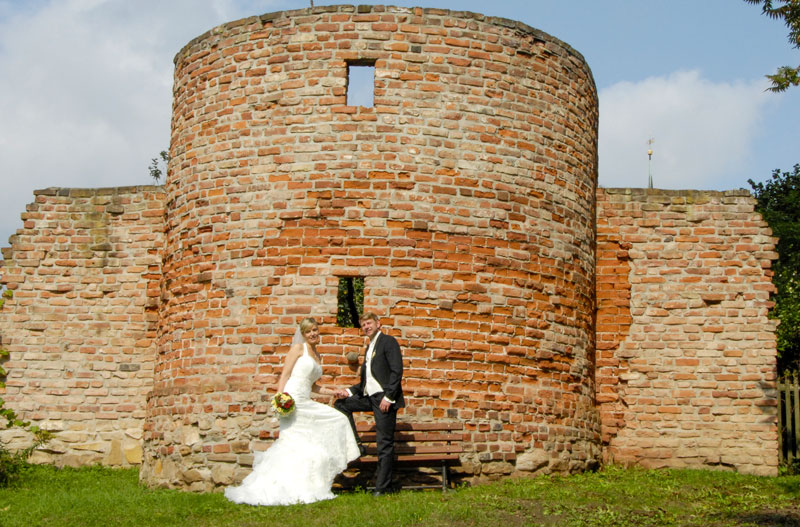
{"x":361,"y":83}
{"x":350,"y":301}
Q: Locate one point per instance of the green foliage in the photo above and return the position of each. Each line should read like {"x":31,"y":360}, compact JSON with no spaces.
{"x":7,"y":295}
{"x":350,"y":297}
{"x":158,"y":167}
{"x":779,"y":203}
{"x":791,"y":468}
{"x":787,"y":309}
{"x":789,"y":12}
{"x":13,"y":464}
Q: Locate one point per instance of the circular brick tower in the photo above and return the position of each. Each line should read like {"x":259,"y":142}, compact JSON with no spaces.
{"x":463,"y":197}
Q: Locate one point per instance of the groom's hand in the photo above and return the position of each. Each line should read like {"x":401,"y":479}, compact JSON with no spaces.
{"x":385,"y":405}
{"x":340,"y":394}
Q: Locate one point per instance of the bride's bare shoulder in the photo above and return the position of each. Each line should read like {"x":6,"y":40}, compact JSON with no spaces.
{"x":295,"y":350}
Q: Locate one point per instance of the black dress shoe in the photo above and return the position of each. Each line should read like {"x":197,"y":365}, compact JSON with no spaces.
{"x":383,"y":492}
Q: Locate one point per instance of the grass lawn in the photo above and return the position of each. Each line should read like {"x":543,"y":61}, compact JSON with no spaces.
{"x":614,"y":496}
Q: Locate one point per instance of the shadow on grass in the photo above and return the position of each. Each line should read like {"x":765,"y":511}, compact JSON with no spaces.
{"x":790,"y":485}
{"x":769,"y":518}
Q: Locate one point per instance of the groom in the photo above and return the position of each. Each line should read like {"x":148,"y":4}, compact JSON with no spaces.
{"x":378,"y":392}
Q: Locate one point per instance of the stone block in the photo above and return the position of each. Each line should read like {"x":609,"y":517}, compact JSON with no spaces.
{"x":223,"y":474}
{"x":194,"y":475}
{"x":496,"y":468}
{"x":190,"y":435}
{"x":533,"y":461}
{"x":115,"y":456}
{"x":96,"y":446}
{"x":133,"y":453}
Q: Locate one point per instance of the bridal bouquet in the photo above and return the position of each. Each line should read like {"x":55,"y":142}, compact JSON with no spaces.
{"x":283,"y":404}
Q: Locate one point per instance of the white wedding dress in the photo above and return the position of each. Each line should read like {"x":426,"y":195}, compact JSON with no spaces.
{"x":315,"y":444}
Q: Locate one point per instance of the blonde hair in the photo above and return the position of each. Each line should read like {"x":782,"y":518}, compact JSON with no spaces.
{"x":368,"y":316}
{"x":306,"y":324}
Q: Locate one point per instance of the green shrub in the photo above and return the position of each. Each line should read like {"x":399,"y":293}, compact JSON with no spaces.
{"x":13,"y":464}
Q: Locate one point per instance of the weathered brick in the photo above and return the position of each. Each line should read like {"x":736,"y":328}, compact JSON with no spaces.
{"x":457,"y":201}
{"x":64,"y":312}
{"x":698,"y":304}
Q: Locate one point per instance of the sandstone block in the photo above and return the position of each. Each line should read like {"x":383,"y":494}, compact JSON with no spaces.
{"x":115,"y":456}
{"x":194,"y":475}
{"x":133,"y":453}
{"x":496,"y":468}
{"x":223,"y":474}
{"x":533,"y":461}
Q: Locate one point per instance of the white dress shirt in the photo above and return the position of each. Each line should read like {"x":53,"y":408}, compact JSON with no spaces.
{"x":372,"y":385}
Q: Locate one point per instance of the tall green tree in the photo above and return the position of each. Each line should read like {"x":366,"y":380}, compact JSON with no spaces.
{"x":779,"y":203}
{"x":789,"y":12}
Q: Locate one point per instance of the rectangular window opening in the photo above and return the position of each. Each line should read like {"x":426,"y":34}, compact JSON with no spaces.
{"x":361,"y":84}
{"x":350,"y":301}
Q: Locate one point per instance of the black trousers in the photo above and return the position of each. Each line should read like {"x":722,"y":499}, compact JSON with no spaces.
{"x":385,"y":424}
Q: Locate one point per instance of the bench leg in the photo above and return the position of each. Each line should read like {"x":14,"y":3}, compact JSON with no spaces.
{"x":444,"y":476}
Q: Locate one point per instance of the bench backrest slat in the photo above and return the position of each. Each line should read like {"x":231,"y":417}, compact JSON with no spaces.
{"x":415,"y":437}
{"x":417,"y":427}
{"x":428,"y":449}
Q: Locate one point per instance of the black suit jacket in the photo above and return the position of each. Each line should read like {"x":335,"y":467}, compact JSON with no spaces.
{"x":387,"y":368}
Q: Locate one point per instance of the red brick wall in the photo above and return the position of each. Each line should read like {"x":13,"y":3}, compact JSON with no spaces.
{"x":149,"y":325}
{"x":686,"y":357}
{"x":465,"y":198}
{"x":84,"y":271}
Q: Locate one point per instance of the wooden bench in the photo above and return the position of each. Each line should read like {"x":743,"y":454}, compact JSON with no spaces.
{"x":435,"y":444}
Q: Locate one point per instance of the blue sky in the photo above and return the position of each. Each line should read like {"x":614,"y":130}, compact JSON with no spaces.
{"x":85,"y":87}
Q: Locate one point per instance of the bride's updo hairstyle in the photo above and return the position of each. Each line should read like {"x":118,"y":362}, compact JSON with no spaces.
{"x":306,"y":324}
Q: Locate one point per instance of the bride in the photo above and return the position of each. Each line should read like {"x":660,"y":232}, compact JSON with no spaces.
{"x":316,"y":441}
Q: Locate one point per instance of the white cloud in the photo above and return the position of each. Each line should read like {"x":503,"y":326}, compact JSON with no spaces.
{"x":86,"y":90}
{"x":703,"y":131}
{"x":85,"y":101}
